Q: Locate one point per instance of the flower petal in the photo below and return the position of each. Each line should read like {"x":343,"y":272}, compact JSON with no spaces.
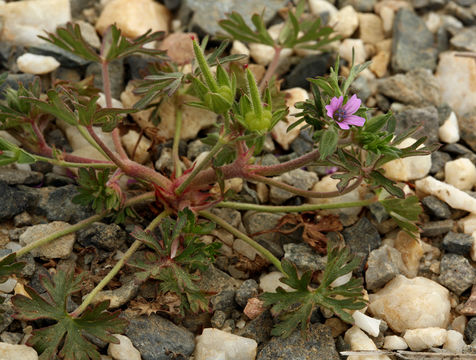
{"x":352,"y":105}
{"x":354,"y":120}
{"x":335,"y":104}
{"x":343,"y":125}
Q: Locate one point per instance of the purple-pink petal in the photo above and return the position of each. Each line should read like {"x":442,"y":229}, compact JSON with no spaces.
{"x":343,"y":125}
{"x":352,"y":105}
{"x":335,"y":104}
{"x":354,"y":120}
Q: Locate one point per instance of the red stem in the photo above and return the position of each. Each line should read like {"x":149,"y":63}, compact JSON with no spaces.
{"x":271,"y":68}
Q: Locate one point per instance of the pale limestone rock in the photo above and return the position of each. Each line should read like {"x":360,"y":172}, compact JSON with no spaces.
{"x":394,"y":342}
{"x":15,"y":352}
{"x":8,"y":285}
{"x":77,"y":141}
{"x":37,"y":64}
{"x":454,"y":341}
{"x":461,"y":173}
{"x":421,"y":339}
{"x":263,"y":54}
{"x":217,"y":344}
{"x":459,"y":323}
{"x":452,"y":196}
{"x":370,"y":325}
{"x":129,"y":142}
{"x":468,"y":224}
{"x":449,"y":131}
{"x":358,"y":340}
{"x":411,"y":303}
{"x":380,"y":63}
{"x":410,"y":168}
{"x":320,"y":7}
{"x":90,"y":153}
{"x":179,"y":47}
{"x":433,"y":21}
{"x":346,"y":47}
{"x":134,"y":18}
{"x":115,"y":103}
{"x":23,"y":21}
{"x":270,"y":282}
{"x":60,"y":248}
{"x":370,"y":28}
{"x":457,"y":78}
{"x":345,"y":21}
{"x":239,"y":48}
{"x":388,"y":16}
{"x":245,"y":249}
{"x":124,"y":350}
{"x":327,"y":184}
{"x":411,"y":250}
{"x":279,"y":132}
{"x":89,"y":34}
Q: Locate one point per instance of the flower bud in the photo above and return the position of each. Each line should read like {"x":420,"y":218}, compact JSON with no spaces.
{"x":258,"y":122}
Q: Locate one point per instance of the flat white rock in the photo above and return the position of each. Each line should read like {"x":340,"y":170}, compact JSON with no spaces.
{"x":394,"y":342}
{"x":411,"y":303}
{"x":449,"y":131}
{"x":124,"y":350}
{"x":454,"y":197}
{"x":370,"y":325}
{"x":454,"y":341}
{"x":16,"y":352}
{"x":410,"y":168}
{"x":358,"y":340}
{"x":461,"y":173}
{"x":270,"y":282}
{"x":355,"y":45}
{"x":215,"y":344}
{"x":23,"y":21}
{"x":421,"y":339}
{"x":345,"y":21}
{"x":37,"y":64}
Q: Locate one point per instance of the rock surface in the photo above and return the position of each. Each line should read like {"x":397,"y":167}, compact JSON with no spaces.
{"x":421,"y":339}
{"x":217,"y":344}
{"x":15,"y":352}
{"x":37,"y":64}
{"x":59,"y":248}
{"x":124,"y":350}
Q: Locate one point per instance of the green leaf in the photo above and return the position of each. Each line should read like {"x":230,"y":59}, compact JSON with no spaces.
{"x":380,"y":180}
{"x":66,"y":337}
{"x":9,"y":267}
{"x":405,"y":212}
{"x":237,"y":28}
{"x":328,"y":143}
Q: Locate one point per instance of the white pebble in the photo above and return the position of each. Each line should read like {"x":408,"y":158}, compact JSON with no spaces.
{"x":270,"y":282}
{"x":370,"y":325}
{"x":320,"y":7}
{"x":461,"y":173}
{"x":355,"y":45}
{"x":394,"y":342}
{"x":421,"y":339}
{"x":215,"y":344}
{"x":15,"y":352}
{"x":449,"y":131}
{"x":239,"y":48}
{"x":345,"y":21}
{"x":454,"y":342}
{"x":358,"y":340}
{"x":37,"y":64}
{"x":8,"y":286}
{"x":454,"y":197}
{"x":124,"y":350}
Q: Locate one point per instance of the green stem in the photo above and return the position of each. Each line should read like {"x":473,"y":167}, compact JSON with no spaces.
{"x":74,"y":164}
{"x":78,"y":226}
{"x":296,"y":208}
{"x":116,"y":267}
{"x":82,"y":130}
{"x":175,"y":147}
{"x":263,"y":251}
{"x":202,"y":165}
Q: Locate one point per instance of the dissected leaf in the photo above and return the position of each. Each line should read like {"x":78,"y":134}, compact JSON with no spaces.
{"x":405,"y":212}
{"x":66,"y":338}
{"x":9,"y":266}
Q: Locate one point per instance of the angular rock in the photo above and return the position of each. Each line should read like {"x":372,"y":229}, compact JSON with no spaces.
{"x":309,"y":67}
{"x":179,"y":47}
{"x":304,"y":257}
{"x":217,"y":344}
{"x":13,"y":200}
{"x":134,"y":18}
{"x":159,"y":339}
{"x":59,"y":248}
{"x":124,"y":350}
{"x":345,"y":21}
{"x":383,"y":265}
{"x":107,"y":237}
{"x":393,"y":342}
{"x":355,"y":46}
{"x":370,"y":28}
{"x":436,"y":207}
{"x":120,"y":295}
{"x":319,"y":344}
{"x":468,"y":128}
{"x":17,"y":177}
{"x":449,"y":131}
{"x":470,"y":330}
{"x":412,"y":43}
{"x":436,"y":228}
{"x":465,"y":40}
{"x":461,"y":173}
{"x":248,"y":289}
{"x":425,"y":116}
{"x":358,"y":340}
{"x":15,"y":352}
{"x":411,"y":303}
{"x":257,"y":222}
{"x":438,"y":161}
{"x":454,"y":342}
{"x":456,"y":273}
{"x":301,"y":179}
{"x":412,"y":252}
{"x":421,"y":339}
{"x":458,"y":243}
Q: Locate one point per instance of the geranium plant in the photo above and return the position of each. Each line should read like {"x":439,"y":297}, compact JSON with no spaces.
{"x":346,"y":139}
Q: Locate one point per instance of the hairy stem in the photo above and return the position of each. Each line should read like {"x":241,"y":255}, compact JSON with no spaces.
{"x":271,"y":68}
{"x":103,"y":146}
{"x":279,"y":169}
{"x":82,"y":130}
{"x":90,"y":297}
{"x":175,"y":147}
{"x":306,"y":193}
{"x":75,"y":164}
{"x":263,"y":251}
{"x":80,"y":225}
{"x":296,"y":208}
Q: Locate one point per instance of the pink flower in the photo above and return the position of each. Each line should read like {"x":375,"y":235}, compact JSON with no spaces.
{"x":343,"y":114}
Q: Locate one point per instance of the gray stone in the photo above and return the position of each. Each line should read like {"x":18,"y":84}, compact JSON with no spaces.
{"x":319,"y":344}
{"x":456,"y":273}
{"x":301,"y":179}
{"x":224,"y":301}
{"x":214,"y":280}
{"x":257,"y":222}
{"x":456,"y":149}
{"x":438,"y":161}
{"x":13,"y":200}
{"x":16,"y":177}
{"x":457,"y":243}
{"x":303,"y":143}
{"x":195,"y":148}
{"x":77,"y":7}
{"x":470,"y":330}
{"x":413,"y":44}
{"x":207,"y":13}
{"x":116,"y":76}
{"x":13,"y":80}
{"x":120,"y":295}
{"x":23,"y":219}
{"x":435,"y":207}
{"x":218,"y":319}
{"x":10,"y":337}
{"x":418,"y":87}
{"x":308,"y":67}
{"x":427,"y":117}
{"x":159,"y":339}
{"x":461,"y":13}
{"x":258,"y":329}
{"x":304,"y":257}
{"x":231,"y":216}
{"x":465,"y":40}
{"x":107,"y":237}
{"x":465,"y":2}
{"x":467,"y":126}
{"x":247,"y":290}
{"x":359,"y":5}
{"x":6,"y":313}
{"x":65,"y":58}
{"x":362,"y":88}
{"x":383,"y":264}
{"x":362,"y":238}
{"x":436,"y":228}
